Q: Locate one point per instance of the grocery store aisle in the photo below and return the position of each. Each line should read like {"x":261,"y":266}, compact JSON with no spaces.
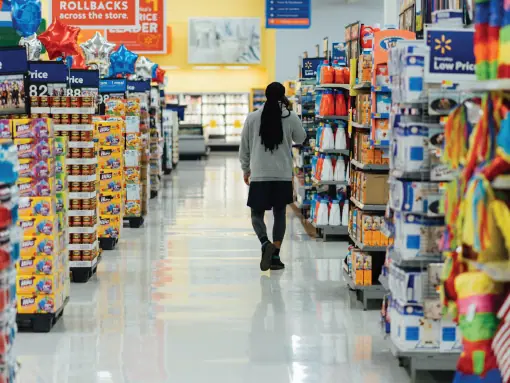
{"x":182,"y":300}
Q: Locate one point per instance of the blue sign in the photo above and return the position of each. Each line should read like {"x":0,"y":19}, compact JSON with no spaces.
{"x":83,"y":78}
{"x":117,"y":85}
{"x":13,"y":60}
{"x":47,"y":72}
{"x":138,"y":86}
{"x":451,"y":54}
{"x":339,"y":53}
{"x":309,"y":68}
{"x":288,"y":14}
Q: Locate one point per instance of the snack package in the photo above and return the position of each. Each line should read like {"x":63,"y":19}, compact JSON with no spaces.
{"x":115,"y":107}
{"x":37,"y":284}
{"x":41,"y":265}
{"x":37,"y":206}
{"x":109,"y":226}
{"x":61,"y":146}
{"x":33,"y":187}
{"x":62,"y":201}
{"x":110,"y":203}
{"x":32,"y":128}
{"x":110,"y":158}
{"x":133,"y":141}
{"x":43,"y":226}
{"x":110,"y":133}
{"x":40,"y":148}
{"x":133,"y":208}
{"x":36,"y":168}
{"x":132,"y":174}
{"x":39,"y":304}
{"x":34,"y":246}
{"x":5,"y":129}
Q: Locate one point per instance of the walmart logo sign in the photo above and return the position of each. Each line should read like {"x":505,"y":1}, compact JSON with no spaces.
{"x":451,"y":53}
{"x":443,"y":44}
{"x":309,"y":67}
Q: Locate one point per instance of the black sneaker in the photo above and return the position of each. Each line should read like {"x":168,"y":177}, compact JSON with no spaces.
{"x":276,"y":263}
{"x":267,"y":255}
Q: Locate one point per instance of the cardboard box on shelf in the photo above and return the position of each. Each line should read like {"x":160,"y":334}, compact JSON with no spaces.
{"x":375,"y":189}
{"x":40,"y":304}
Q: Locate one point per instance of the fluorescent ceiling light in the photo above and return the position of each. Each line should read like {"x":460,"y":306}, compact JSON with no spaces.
{"x":237,"y":67}
{"x":206,"y":67}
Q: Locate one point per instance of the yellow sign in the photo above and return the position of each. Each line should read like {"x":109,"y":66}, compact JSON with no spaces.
{"x":213,"y":124}
{"x":237,"y":124}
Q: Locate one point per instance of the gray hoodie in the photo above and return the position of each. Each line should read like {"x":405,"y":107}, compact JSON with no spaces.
{"x":261,"y":163}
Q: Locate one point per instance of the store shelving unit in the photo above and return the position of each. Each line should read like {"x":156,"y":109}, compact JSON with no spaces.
{"x":257,"y":98}
{"x":364,"y":293}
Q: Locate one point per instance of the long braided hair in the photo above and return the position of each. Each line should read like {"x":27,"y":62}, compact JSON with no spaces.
{"x":271,"y":127}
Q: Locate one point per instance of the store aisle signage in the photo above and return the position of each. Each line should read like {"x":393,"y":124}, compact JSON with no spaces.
{"x":90,"y":14}
{"x":451,"y":54}
{"x":339,"y":53}
{"x":309,"y":67}
{"x":13,"y":60}
{"x":47,"y":78}
{"x":138,"y":86}
{"x":288,"y":14}
{"x":84,"y":78}
{"x":150,"y":36}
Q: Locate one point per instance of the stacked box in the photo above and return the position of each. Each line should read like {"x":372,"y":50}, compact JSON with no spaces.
{"x":40,"y":268}
{"x":111,"y":177}
{"x":133,"y":159}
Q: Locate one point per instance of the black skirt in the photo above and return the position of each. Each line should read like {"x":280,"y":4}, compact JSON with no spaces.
{"x":265,"y":195}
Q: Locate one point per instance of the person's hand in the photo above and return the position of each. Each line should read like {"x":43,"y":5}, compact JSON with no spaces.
{"x":247,"y":179}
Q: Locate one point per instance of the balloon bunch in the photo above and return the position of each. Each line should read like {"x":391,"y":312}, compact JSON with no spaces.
{"x":61,"y":42}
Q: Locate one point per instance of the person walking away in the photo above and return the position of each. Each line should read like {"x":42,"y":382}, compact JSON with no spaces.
{"x":266,"y":160}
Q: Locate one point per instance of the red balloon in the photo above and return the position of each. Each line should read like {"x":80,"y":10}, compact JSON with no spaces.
{"x":79,"y":62}
{"x":160,"y":75}
{"x":60,"y":40}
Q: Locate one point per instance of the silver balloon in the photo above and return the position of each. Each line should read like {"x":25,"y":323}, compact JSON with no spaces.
{"x":33,"y":47}
{"x":103,"y":67}
{"x":143,"y":68}
{"x":97,"y":49}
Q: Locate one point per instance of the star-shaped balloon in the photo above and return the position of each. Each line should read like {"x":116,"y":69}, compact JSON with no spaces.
{"x":143,"y":68}
{"x":160,"y":75}
{"x":60,"y":40}
{"x":26,"y":16}
{"x":122,"y":61}
{"x":33,"y":47}
{"x":97,"y":48}
{"x":79,"y":62}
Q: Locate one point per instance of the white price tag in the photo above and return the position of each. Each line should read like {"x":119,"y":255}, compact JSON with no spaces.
{"x":132,"y":192}
{"x":131,"y":158}
{"x":132,"y":124}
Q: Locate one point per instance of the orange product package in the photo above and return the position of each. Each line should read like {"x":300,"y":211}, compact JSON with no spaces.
{"x":327,"y":74}
{"x":340,"y":106}
{"x":327,"y":107}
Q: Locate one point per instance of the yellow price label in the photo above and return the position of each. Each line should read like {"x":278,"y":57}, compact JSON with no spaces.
{"x":213,"y":124}
{"x":237,"y":124}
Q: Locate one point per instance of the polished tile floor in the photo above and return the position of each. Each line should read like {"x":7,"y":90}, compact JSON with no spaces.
{"x":182,"y":300}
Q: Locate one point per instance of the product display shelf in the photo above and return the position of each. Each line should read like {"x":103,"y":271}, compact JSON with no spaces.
{"x":319,"y":182}
{"x":359,"y":126}
{"x":343,"y":152}
{"x":424,"y":360}
{"x":363,"y":166}
{"x":364,"y":293}
{"x":344,"y":118}
{"x":333,"y":86}
{"x":367,"y":248}
{"x":368,"y":207}
{"x":366,"y":85}
{"x":327,"y":230}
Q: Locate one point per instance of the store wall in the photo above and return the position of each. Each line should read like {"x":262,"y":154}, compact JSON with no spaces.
{"x":329,"y":18}
{"x":187,"y":79}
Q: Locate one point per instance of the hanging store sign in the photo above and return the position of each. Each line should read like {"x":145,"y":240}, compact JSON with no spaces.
{"x":339,"y":53}
{"x":83,"y":82}
{"x":89,"y":14}
{"x":288,"y":14}
{"x":309,"y":67}
{"x":47,"y":78}
{"x":451,"y":54}
{"x":150,"y":35}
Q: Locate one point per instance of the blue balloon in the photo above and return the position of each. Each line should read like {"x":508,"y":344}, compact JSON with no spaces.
{"x":26,"y":16}
{"x":122,"y":61}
